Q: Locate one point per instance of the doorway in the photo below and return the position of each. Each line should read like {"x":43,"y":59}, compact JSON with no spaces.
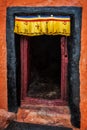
{"x":44,"y":61}
{"x":45,"y":67}
{"x":74,"y":43}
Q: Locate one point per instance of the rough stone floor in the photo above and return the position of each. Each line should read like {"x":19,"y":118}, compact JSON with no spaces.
{"x":24,"y":126}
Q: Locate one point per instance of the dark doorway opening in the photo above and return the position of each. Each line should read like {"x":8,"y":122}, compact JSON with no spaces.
{"x":43,"y":62}
{"x":45,"y":67}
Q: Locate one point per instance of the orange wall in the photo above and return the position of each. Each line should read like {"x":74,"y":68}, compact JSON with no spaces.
{"x":3,"y":70}
{"x":83,"y":60}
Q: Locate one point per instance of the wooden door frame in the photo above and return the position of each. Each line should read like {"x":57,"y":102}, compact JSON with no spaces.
{"x":25,"y":63}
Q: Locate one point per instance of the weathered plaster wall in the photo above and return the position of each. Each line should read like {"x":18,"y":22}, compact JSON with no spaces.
{"x":3,"y":70}
{"x":83,"y":60}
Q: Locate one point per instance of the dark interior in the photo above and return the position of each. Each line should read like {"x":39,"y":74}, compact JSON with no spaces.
{"x":45,"y":67}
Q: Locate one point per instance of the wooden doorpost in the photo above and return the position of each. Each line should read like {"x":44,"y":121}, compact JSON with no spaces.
{"x":24,"y":52}
{"x":64,"y":67}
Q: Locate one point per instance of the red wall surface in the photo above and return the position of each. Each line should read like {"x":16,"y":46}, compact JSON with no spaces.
{"x":83,"y":59}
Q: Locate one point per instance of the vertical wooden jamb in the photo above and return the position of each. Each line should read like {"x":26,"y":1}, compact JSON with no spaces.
{"x":66,"y":69}
{"x":64,"y":64}
{"x":24,"y":66}
{"x":62,"y":68}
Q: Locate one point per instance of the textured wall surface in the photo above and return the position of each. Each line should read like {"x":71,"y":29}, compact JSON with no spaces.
{"x":83,"y":60}
{"x":3,"y":74}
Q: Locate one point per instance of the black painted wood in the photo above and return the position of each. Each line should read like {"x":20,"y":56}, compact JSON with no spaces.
{"x":25,"y":126}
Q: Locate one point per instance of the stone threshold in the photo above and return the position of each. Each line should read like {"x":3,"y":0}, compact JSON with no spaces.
{"x":54,"y":116}
{"x":30,"y":114}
